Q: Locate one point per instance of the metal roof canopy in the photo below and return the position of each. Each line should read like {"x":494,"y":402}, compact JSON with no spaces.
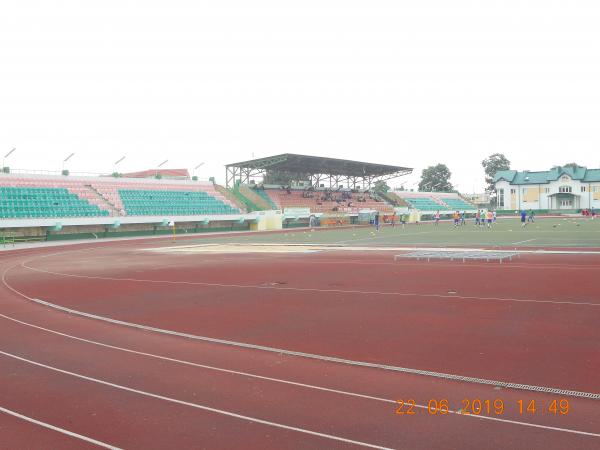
{"x":318,"y":169}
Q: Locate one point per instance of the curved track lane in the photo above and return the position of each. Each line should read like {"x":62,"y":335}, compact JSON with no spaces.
{"x":134,"y":389}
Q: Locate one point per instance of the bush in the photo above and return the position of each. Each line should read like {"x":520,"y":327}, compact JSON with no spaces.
{"x":116,"y":175}
{"x":212,"y":180}
{"x":194,"y":178}
{"x":65,"y":172}
{"x":6,"y":169}
{"x":158,"y":176}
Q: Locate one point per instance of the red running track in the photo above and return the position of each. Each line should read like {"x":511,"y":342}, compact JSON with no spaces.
{"x":516,"y":323}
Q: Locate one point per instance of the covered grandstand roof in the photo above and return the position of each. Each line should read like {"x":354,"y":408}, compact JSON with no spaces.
{"x":317,"y":168}
{"x":291,"y":162}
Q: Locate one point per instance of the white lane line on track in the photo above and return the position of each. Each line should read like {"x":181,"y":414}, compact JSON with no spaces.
{"x":442,"y":375}
{"x":317,"y":290}
{"x":523,"y":242}
{"x":288,"y":382}
{"x":382,"y":236}
{"x":58,"y":429}
{"x":193,"y":405}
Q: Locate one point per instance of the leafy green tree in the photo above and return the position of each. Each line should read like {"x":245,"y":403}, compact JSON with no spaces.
{"x":436,"y":179}
{"x":381,"y":186}
{"x":492,"y":164}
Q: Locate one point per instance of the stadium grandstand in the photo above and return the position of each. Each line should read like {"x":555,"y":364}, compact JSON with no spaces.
{"x":427,"y":202}
{"x":320,"y":190}
{"x":58,"y":206}
{"x":318,"y":185}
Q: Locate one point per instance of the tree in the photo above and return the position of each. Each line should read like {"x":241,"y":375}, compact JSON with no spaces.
{"x":436,"y":179}
{"x":381,"y":186}
{"x":492,"y":164}
{"x":573,"y":165}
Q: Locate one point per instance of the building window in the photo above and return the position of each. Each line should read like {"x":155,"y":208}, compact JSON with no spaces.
{"x":565,"y":189}
{"x":564,"y":178}
{"x":513,"y":191}
{"x":596,"y":188}
{"x":583,"y":189}
{"x":547,"y":190}
{"x":501,"y":197}
{"x":566,"y":203}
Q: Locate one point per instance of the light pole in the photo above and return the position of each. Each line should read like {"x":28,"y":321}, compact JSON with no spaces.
{"x":160,"y":165}
{"x":6,"y":156}
{"x":194,"y":171}
{"x":115,"y":164}
{"x":65,"y":160}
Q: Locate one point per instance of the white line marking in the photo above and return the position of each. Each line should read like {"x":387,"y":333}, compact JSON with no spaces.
{"x":522,"y":242}
{"x":60,"y":430}
{"x":317,"y":290}
{"x":309,"y":355}
{"x":192,"y":405}
{"x":279,"y":380}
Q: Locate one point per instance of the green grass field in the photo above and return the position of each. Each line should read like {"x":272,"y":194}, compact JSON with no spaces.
{"x":550,"y":232}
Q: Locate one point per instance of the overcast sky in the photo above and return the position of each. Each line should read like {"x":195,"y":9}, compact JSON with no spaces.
{"x":410,"y":83}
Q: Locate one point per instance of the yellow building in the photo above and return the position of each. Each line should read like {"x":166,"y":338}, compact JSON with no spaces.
{"x":560,"y":188}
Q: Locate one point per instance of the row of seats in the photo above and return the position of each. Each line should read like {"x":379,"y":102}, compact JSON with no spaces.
{"x":34,"y":202}
{"x":295,"y":199}
{"x":423,"y":203}
{"x":67,"y":197}
{"x":457,"y":203}
{"x":154,"y":202}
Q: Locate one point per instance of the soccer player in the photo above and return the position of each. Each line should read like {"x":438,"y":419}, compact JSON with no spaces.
{"x":456,"y":218}
{"x":377,"y":220}
{"x":462,"y":218}
{"x":531,"y":217}
{"x":490,"y":218}
{"x":593,"y":213}
{"x":437,"y":218}
{"x":477,"y":217}
{"x":523,"y":217}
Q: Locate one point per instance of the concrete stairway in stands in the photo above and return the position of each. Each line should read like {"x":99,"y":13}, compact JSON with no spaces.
{"x":231,"y":197}
{"x":104,"y":202}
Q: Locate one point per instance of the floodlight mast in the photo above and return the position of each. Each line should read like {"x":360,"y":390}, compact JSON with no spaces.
{"x":117,"y":162}
{"x":7,"y":155}
{"x":198,"y":166}
{"x":66,"y":159}
{"x":159,"y":166}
